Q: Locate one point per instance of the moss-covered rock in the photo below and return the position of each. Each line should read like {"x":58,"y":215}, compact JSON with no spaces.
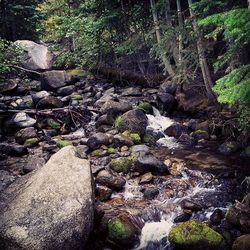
{"x":121,"y":231}
{"x":147,"y":138}
{"x":63,"y":143}
{"x":194,"y":235}
{"x":76,"y":96}
{"x":97,"y":152}
{"x":53,"y":124}
{"x":146,"y":107}
{"x":242,"y":243}
{"x":111,"y":150}
{"x":135,"y":137}
{"x":31,"y":142}
{"x":121,"y":165}
{"x":200,"y":134}
{"x":133,"y":120}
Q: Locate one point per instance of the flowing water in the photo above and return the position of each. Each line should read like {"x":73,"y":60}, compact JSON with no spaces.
{"x":158,"y":215}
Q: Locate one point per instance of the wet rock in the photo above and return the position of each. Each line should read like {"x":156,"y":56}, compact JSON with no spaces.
{"x":107,"y":96}
{"x":195,"y":235}
{"x":182,"y":217}
{"x":216,"y":217}
{"x":190,"y":205}
{"x":168,"y":87}
{"x":122,"y":231}
{"x":9,"y":86}
{"x":82,"y":151}
{"x":37,"y":96}
{"x":108,"y":180}
{"x":146,"y":178}
{"x":139,"y":150}
{"x":200,"y":134}
{"x":187,"y":140}
{"x":134,"y":121}
{"x":22,"y":135}
{"x":242,"y":243}
{"x":168,"y":101}
{"x":121,"y":140}
{"x":55,"y":79}
{"x":49,"y":102}
{"x":149,"y":163}
{"x":67,"y":90}
{"x":175,"y":130}
{"x":103,"y":193}
{"x":62,"y":191}
{"x":97,"y":140}
{"x":13,"y":149}
{"x":114,"y":108}
{"x":150,"y":193}
{"x":105,"y":120}
{"x":239,"y":214}
{"x":22,"y":120}
{"x":228,"y":148}
{"x":35,"y":56}
{"x":5,"y":179}
{"x":132,"y":91}
{"x":33,"y":163}
{"x":121,"y":165}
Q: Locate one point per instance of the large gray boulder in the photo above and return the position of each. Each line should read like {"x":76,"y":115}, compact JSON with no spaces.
{"x":50,"y":209}
{"x":54,"y":79}
{"x":36,"y":56}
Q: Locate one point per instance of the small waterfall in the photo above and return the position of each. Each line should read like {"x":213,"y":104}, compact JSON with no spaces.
{"x":158,"y":124}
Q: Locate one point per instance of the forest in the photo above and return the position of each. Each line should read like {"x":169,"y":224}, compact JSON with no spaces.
{"x":125,"y":124}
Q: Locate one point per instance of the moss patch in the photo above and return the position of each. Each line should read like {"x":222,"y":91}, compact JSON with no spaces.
{"x":63,"y":143}
{"x":76,"y":97}
{"x":53,"y":124}
{"x":112,"y":150}
{"x":195,"y":235}
{"x":132,"y":136}
{"x":121,"y":165}
{"x":31,"y":141}
{"x":119,"y":121}
{"x":147,"y":138}
{"x":146,"y":107}
{"x":120,"y":231}
{"x":97,"y":152}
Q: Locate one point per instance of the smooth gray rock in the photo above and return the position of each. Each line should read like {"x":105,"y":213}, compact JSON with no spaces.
{"x":22,"y":120}
{"x":51,"y":208}
{"x":55,"y":79}
{"x":35,"y":56}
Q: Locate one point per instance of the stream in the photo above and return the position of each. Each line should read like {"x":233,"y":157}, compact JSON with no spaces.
{"x":206,"y":189}
{"x":198,"y":183}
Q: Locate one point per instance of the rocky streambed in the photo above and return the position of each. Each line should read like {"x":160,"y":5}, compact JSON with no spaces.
{"x":161,"y":174}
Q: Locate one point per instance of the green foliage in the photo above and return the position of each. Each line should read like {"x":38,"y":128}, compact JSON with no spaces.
{"x":235,"y":25}
{"x":234,"y":89}
{"x":9,"y":57}
{"x":18,"y":19}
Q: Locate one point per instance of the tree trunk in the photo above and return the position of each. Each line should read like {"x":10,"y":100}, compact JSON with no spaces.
{"x":165,"y":60}
{"x":248,"y":4}
{"x":202,"y":59}
{"x":180,"y":37}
